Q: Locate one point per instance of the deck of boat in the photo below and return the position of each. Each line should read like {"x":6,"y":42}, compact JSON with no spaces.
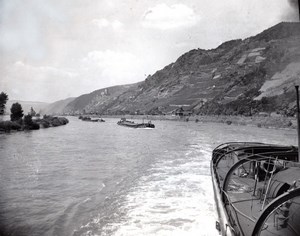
{"x":246,"y":197}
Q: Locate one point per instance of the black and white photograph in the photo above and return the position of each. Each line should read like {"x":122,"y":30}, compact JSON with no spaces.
{"x":149,"y":118}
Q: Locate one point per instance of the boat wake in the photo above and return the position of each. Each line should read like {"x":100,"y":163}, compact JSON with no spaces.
{"x":173,"y":198}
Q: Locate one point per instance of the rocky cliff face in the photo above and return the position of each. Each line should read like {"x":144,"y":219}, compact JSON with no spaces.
{"x":243,"y":77}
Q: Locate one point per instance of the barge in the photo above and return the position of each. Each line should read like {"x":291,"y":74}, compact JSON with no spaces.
{"x":131,"y":124}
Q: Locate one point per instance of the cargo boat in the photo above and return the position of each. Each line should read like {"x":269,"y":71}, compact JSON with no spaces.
{"x":131,"y":124}
{"x":257,"y":189}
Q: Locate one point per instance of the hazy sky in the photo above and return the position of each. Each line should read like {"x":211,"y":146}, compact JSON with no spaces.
{"x":54,"y":49}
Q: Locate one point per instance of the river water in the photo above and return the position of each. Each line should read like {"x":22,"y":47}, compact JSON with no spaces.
{"x":90,"y":178}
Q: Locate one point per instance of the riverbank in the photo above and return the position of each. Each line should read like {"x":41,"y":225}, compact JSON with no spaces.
{"x":7,"y":126}
{"x":275,"y":122}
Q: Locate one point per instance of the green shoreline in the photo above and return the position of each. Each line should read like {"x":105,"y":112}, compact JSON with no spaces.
{"x":8,"y":126}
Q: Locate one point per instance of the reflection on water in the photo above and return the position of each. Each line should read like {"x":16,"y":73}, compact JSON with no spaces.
{"x":89,"y":178}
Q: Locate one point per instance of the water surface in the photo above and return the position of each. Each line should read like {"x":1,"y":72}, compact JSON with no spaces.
{"x":90,"y":178}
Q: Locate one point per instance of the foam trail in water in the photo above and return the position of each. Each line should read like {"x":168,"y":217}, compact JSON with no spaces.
{"x":102,"y":187}
{"x":174,"y":198}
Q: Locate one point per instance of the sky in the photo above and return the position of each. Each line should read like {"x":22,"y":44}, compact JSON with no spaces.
{"x":55,"y":49}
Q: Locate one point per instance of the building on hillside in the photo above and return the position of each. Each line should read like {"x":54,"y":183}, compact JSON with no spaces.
{"x":181,"y":112}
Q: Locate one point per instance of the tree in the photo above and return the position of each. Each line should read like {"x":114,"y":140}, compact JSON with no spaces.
{"x":3,"y":100}
{"x":16,"y":112}
{"x":29,"y":123}
{"x":28,"y":120}
{"x":32,"y":112}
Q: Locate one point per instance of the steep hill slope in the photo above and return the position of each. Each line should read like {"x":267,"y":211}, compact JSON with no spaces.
{"x":57,"y":107}
{"x":239,"y":77}
{"x":97,"y":101}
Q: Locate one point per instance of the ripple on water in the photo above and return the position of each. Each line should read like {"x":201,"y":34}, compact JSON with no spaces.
{"x":101,"y":179}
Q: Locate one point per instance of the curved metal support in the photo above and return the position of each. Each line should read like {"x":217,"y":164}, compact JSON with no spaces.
{"x":254,"y":147}
{"x":274,"y":149}
{"x":234,"y":167}
{"x":273,"y":206}
{"x":223,"y":146}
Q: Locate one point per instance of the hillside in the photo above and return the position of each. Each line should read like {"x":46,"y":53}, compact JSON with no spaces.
{"x":242,"y":77}
{"x":96,"y":101}
{"x":26,"y":106}
{"x":57,"y":107}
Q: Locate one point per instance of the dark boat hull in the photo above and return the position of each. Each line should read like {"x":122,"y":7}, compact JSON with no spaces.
{"x":136,"y":125}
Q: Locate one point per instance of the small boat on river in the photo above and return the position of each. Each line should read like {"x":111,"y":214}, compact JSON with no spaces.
{"x":257,"y":189}
{"x":131,"y":124}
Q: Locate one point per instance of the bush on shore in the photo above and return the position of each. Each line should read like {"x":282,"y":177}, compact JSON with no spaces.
{"x":8,"y":125}
{"x":27,"y":123}
{"x":55,"y":121}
